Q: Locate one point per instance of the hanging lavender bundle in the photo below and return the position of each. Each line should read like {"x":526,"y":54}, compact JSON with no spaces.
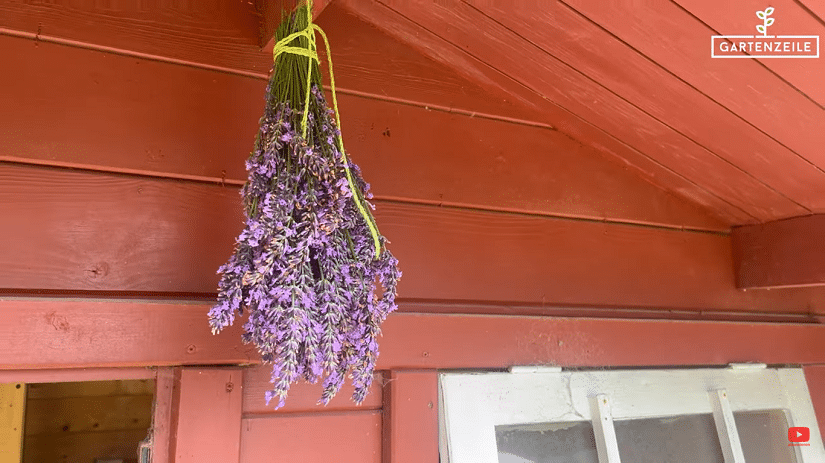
{"x":309,"y":268}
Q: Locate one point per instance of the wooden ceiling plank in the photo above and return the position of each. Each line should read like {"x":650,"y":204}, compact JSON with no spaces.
{"x":781,"y":254}
{"x":671,"y":38}
{"x":815,"y":8}
{"x":501,"y":49}
{"x":154,"y":119}
{"x":391,"y":22}
{"x":573,"y":39}
{"x":804,"y":75}
{"x":90,"y":232}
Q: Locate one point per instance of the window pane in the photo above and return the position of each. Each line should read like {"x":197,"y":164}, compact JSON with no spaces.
{"x":675,"y":439}
{"x":764,"y":436}
{"x":571,"y":442}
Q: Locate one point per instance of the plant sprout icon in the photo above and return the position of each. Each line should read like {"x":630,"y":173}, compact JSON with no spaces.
{"x":763,"y":15}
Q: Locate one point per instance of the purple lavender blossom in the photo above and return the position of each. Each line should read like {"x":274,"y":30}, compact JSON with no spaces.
{"x":304,"y":267}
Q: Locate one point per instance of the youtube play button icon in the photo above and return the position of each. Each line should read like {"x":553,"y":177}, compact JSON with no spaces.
{"x":799,"y":435}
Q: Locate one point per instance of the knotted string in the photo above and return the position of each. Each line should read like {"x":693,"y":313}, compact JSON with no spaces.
{"x":311,"y":52}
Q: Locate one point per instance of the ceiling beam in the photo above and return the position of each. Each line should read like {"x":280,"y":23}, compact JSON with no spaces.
{"x":780,"y":254}
{"x":271,"y":14}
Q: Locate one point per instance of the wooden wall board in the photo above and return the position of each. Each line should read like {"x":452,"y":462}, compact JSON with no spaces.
{"x":411,"y":417}
{"x":558,"y":82}
{"x":426,"y":341}
{"x":182,"y":31}
{"x":164,"y":120}
{"x":86,"y":334}
{"x":208,"y":412}
{"x":89,"y":414}
{"x":13,"y":401}
{"x":76,"y":389}
{"x":162,"y":414}
{"x":383,"y":67}
{"x":434,"y":46}
{"x":157,"y":334}
{"x":804,"y":75}
{"x":83,"y":447}
{"x":47,"y":375}
{"x":303,"y":397}
{"x":575,"y":40}
{"x":99,"y":232}
{"x":80,"y":232}
{"x":815,"y":376}
{"x":677,"y":41}
{"x":779,"y":254}
{"x":351,"y":437}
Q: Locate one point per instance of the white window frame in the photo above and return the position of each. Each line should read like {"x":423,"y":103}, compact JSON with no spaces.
{"x":472,"y":404}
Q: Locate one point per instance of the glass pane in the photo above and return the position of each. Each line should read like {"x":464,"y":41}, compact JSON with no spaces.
{"x":674,"y":439}
{"x":764,"y":436}
{"x":571,"y":442}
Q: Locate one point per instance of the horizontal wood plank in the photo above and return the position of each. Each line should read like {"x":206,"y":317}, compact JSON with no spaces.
{"x":805,"y":75}
{"x":91,"y":388}
{"x":405,"y":151}
{"x":87,"y":334}
{"x":557,"y":81}
{"x":575,"y":40}
{"x":353,"y":437}
{"x":303,"y":397}
{"x":88,"y":414}
{"x":83,"y":446}
{"x":466,"y":341}
{"x":157,"y":334}
{"x":437,"y":48}
{"x":745,"y":87}
{"x":366,"y":60}
{"x":76,"y":231}
{"x":779,"y":254}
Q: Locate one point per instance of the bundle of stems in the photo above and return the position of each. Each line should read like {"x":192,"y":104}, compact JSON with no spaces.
{"x":310,"y":268}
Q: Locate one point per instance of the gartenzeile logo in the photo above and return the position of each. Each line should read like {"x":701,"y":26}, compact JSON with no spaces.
{"x":765,"y":45}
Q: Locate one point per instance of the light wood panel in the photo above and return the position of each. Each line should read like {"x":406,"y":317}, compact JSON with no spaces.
{"x":353,"y":437}
{"x":78,"y":389}
{"x":83,"y":447}
{"x":13,"y":401}
{"x":89,"y":414}
{"x":199,"y":124}
{"x":303,"y":397}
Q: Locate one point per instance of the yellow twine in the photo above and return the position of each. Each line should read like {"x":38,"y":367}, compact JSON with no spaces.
{"x":311,"y":52}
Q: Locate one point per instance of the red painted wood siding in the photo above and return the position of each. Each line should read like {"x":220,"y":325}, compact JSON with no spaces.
{"x":351,"y":437}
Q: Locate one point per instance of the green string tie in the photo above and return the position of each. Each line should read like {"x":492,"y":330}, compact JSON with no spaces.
{"x":312,"y":53}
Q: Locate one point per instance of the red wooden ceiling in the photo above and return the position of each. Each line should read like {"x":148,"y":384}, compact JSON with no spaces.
{"x":742,"y":137}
